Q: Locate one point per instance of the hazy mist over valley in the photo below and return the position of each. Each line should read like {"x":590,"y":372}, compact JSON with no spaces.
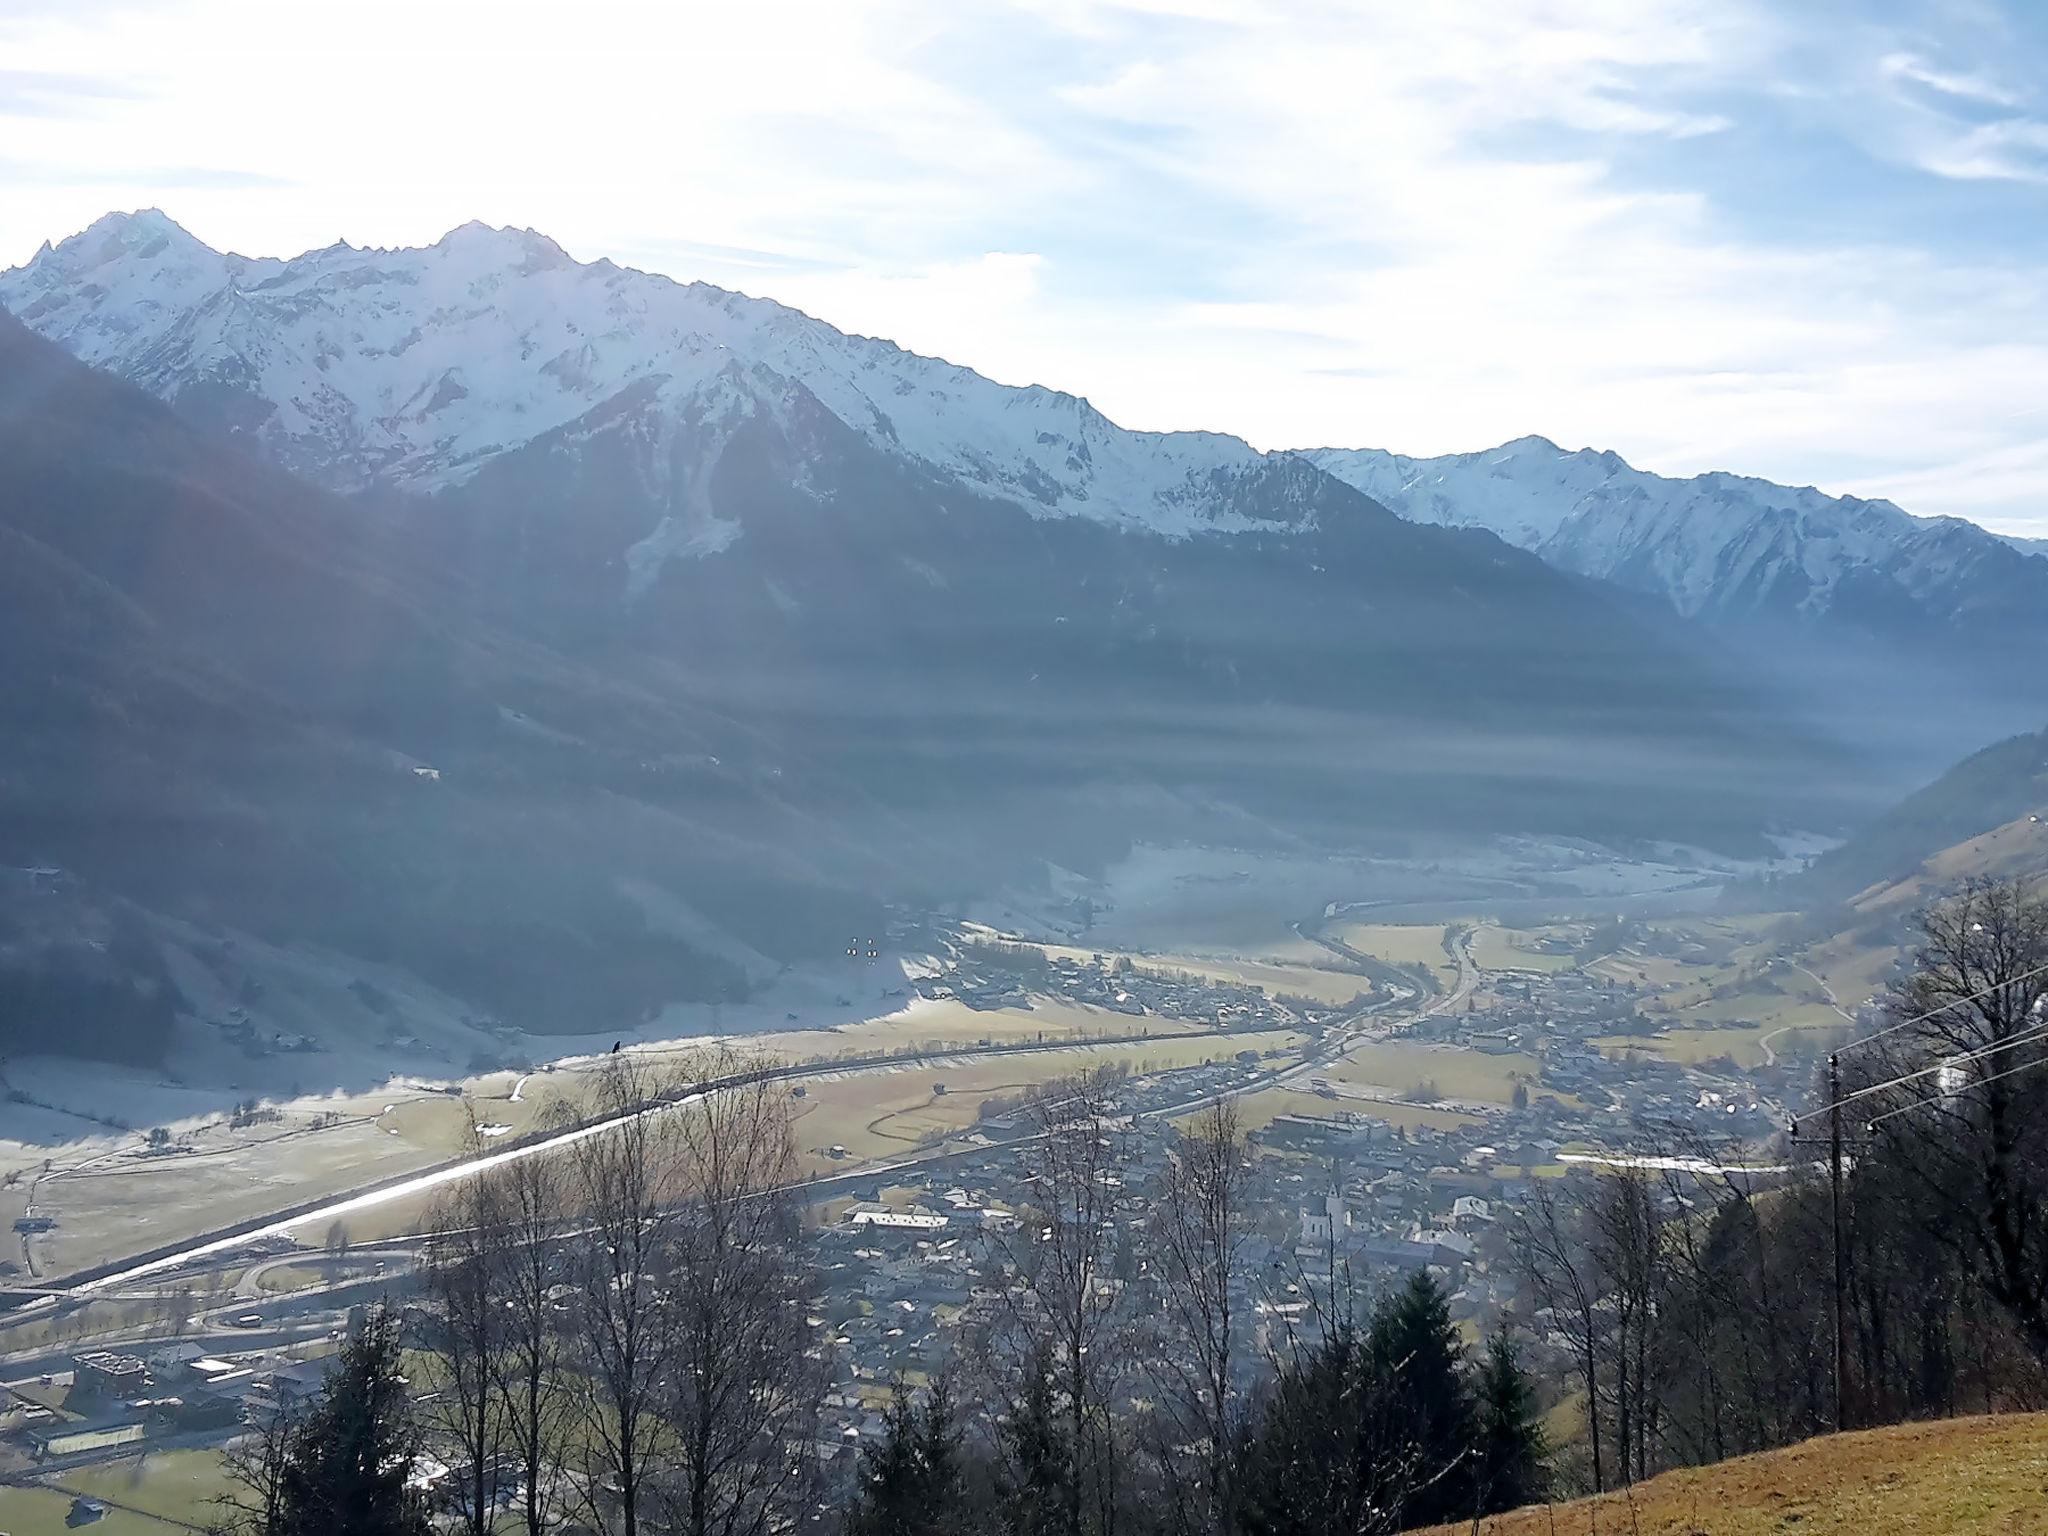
{"x":684,"y":839}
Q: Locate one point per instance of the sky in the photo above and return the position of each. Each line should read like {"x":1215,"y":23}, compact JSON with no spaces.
{"x":1806,"y":240}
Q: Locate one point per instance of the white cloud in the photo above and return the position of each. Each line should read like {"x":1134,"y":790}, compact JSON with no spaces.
{"x":1966,"y":87}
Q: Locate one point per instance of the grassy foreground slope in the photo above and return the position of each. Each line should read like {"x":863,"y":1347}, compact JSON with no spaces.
{"x":1961,"y":1477}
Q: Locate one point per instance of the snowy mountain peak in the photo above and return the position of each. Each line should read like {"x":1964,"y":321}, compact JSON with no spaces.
{"x":413,"y":368}
{"x":505,"y":244}
{"x":137,"y":230}
{"x":1716,"y":545}
{"x":145,"y":239}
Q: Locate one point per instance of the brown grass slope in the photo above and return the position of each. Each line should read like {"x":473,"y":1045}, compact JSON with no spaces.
{"x":1962,"y":1477}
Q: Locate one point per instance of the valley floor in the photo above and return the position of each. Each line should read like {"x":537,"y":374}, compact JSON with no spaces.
{"x":1959,"y":1477}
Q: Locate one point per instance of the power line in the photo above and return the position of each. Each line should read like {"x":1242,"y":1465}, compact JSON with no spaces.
{"x":2025,"y":1066}
{"x":2039,"y":1032}
{"x":1921,"y":1018}
{"x":1833,"y":1110}
{"x":1954,"y":1002}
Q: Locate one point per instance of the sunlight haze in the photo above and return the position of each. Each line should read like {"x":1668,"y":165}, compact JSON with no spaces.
{"x":1797,"y":242}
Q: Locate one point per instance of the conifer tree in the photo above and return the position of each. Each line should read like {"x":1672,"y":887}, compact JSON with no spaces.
{"x":352,"y":1458}
{"x":1510,"y":1443}
{"x":911,"y":1483}
{"x":1038,"y":1455}
{"x":1417,"y":1352}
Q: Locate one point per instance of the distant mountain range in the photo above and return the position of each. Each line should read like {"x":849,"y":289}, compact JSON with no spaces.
{"x":413,"y":369}
{"x":719,"y":495}
{"x":515,"y":621}
{"x":1721,"y":547}
{"x":430,"y":372}
{"x":1914,"y":637}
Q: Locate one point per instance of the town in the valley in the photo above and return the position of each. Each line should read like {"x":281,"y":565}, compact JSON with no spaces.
{"x":1397,"y":1130}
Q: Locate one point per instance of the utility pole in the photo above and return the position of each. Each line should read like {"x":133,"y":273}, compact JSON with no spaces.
{"x":1841,"y":1257}
{"x":1841,"y":1260}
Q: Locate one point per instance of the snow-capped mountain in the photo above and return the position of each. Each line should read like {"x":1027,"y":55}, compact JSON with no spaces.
{"x":975,"y":602}
{"x":410,"y":369}
{"x":1721,"y":547}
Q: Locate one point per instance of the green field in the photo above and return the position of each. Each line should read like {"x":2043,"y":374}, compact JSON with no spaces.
{"x":1513,"y":949}
{"x":1260,"y":1109}
{"x":1417,"y":945}
{"x":1457,"y":1073}
{"x":43,"y":1511}
{"x":183,"y":1487}
{"x":876,"y":1115}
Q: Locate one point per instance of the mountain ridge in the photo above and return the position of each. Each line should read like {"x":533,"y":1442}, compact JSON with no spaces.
{"x":247,"y":343}
{"x":771,"y":632}
{"x":1716,"y":545}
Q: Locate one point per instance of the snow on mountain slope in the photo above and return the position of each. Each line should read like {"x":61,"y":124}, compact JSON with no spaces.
{"x":411,"y":368}
{"x":1717,"y":546}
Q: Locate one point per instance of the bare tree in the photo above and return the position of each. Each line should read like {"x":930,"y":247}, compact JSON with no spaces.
{"x":531,"y":1268}
{"x":463,"y":1337}
{"x":1625,"y":1238}
{"x":742,"y":1392}
{"x":1066,"y":1301}
{"x":1550,"y":1242}
{"x":256,"y":1464}
{"x":624,"y":1188}
{"x":1199,"y":1230}
{"x":1970,"y":1126}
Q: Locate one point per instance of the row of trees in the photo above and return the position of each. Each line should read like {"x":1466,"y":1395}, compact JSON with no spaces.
{"x":627,"y":1337}
{"x":1374,"y":1425}
{"x":1696,"y":1307}
{"x":615,"y":1338}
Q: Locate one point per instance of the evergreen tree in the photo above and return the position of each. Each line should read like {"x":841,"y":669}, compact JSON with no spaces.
{"x":1509,"y":1442}
{"x":911,"y":1483}
{"x":1416,"y":1350}
{"x":1307,"y":1464}
{"x":353,"y":1454}
{"x":1332,"y":1452}
{"x":1038,"y":1453}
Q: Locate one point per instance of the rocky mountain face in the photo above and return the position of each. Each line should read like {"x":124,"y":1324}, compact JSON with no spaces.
{"x":516,"y":621}
{"x":1940,"y":620}
{"x":1717,"y":546}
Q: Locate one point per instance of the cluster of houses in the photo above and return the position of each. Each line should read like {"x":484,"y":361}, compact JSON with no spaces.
{"x":1601,"y":1086}
{"x":175,"y":1392}
{"x":1115,"y":986}
{"x":913,"y":1283}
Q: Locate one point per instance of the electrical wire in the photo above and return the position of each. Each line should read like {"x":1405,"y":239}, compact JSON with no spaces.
{"x":1947,"y":1063}
{"x":1921,"y":1018}
{"x":1954,"y":1002}
{"x":2025,"y":1066}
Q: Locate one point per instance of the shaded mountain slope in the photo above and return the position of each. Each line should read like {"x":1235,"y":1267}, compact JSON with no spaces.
{"x":2003,"y":783}
{"x":218,"y":695}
